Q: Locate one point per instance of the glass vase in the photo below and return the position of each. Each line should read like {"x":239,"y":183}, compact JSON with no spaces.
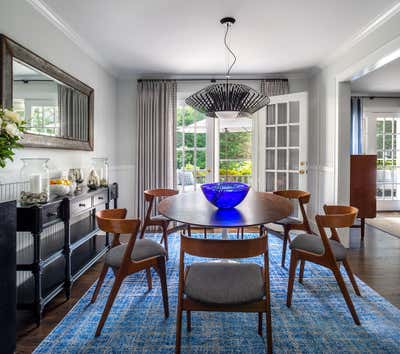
{"x":100,"y":167}
{"x":36,"y":173}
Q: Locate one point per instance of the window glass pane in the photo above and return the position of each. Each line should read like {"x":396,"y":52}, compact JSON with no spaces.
{"x":179,"y":139}
{"x":293,"y":181}
{"x":271,"y":114}
{"x":388,"y":141}
{"x":293,"y":159}
{"x":379,"y":126}
{"x":294,"y":112}
{"x":282,"y":136}
{"x":294,"y":138}
{"x":270,"y":138}
{"x":282,"y":113}
{"x":379,"y":142}
{"x":269,"y":181}
{"x":379,"y":191}
{"x":282,"y":160}
{"x":270,"y":159}
{"x":281,"y":180}
{"x":201,"y":140}
{"x":388,"y":126}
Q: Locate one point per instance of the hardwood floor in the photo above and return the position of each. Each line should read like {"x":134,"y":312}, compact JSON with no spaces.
{"x":376,"y":262}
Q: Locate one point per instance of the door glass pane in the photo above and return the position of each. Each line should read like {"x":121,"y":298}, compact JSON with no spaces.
{"x":282,"y":113}
{"x":379,"y":141}
{"x":270,"y":138}
{"x":269,"y":181}
{"x":270,"y":159}
{"x":282,"y":136}
{"x":293,"y":159}
{"x":271,"y":114}
{"x":294,"y":112}
{"x":388,"y":126}
{"x":293,"y":181}
{"x":294,"y":138}
{"x":282,"y":163}
{"x":379,"y":191}
{"x":281,"y":181}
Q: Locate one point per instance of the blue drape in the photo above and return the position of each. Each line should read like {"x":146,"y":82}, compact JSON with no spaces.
{"x":356,"y":125}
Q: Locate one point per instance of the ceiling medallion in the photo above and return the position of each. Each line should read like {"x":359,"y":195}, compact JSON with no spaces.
{"x":227,"y":100}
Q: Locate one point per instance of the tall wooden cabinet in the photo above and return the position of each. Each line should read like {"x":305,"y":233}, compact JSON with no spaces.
{"x":363,"y":187}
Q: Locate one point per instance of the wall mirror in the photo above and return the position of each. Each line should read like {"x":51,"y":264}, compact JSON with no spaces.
{"x":57,"y":108}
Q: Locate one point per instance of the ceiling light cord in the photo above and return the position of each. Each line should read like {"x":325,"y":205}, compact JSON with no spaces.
{"x":228,"y":25}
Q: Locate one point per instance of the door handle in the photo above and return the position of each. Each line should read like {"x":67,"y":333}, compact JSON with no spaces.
{"x":302,"y":172}
{"x":208,"y":170}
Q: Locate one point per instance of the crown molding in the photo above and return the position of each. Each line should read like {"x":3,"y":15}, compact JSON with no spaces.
{"x":67,"y":30}
{"x":374,"y":25}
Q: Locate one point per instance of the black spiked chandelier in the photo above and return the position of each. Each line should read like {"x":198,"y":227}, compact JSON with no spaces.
{"x":227,"y":100}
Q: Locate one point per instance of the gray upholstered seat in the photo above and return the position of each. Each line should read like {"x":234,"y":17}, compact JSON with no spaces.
{"x":143,"y":249}
{"x":313,"y":243}
{"x":288,"y":220}
{"x":159,"y":217}
{"x":224,"y":282}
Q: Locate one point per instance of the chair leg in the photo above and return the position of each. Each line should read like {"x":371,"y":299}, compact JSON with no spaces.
{"x":178,"y":329}
{"x":345,"y":293}
{"x":237,"y":232}
{"x":205,"y":233}
{"x":292,"y":274}
{"x":99,"y":283}
{"x":110,"y":301}
{"x":165,"y":238}
{"x":301,"y":272}
{"x":163,"y":280}
{"x":285,"y":241}
{"x":351,"y":277}
{"x":242,"y":232}
{"x":148,"y":276}
{"x":260,"y":316}
{"x":189,"y":320}
{"x":268,"y":316}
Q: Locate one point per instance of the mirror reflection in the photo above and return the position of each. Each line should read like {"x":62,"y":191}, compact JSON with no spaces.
{"x":49,"y":107}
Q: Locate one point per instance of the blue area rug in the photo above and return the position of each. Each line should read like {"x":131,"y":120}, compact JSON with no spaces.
{"x":317,"y":322}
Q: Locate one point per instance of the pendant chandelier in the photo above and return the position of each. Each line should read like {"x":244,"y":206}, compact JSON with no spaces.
{"x":227,"y":100}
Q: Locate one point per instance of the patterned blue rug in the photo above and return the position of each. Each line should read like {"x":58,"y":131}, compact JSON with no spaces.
{"x":317,"y":322}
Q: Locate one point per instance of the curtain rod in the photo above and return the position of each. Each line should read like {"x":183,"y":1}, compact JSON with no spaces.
{"x":373,"y":97}
{"x":213,"y":79}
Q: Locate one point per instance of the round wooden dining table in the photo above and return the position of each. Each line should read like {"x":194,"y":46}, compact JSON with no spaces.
{"x":258,"y":208}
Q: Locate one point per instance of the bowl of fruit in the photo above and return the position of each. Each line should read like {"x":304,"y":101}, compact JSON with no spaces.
{"x":62,"y":187}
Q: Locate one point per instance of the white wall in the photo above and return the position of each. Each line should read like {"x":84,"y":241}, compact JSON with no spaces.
{"x":21,"y":22}
{"x":324,"y":130}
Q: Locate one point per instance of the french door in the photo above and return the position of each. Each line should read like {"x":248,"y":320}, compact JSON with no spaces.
{"x":282,"y":143}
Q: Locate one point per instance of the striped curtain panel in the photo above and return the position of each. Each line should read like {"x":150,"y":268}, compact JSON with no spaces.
{"x":274,"y":87}
{"x":156,"y":163}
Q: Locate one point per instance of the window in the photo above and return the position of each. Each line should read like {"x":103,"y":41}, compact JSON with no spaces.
{"x":388,"y":158}
{"x":190,"y":148}
{"x":44,"y":120}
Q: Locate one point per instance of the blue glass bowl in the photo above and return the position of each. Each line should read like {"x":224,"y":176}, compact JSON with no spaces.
{"x":225,"y":195}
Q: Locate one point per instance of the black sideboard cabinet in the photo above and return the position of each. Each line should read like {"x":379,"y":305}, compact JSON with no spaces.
{"x":8,"y":223}
{"x":56,"y":243}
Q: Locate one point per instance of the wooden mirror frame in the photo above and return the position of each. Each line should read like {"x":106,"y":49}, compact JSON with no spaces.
{"x":9,"y":50}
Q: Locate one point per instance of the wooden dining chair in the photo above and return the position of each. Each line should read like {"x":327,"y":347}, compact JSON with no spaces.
{"x":291,"y":223}
{"x":224,"y":285}
{"x":125,"y":259}
{"x":159,"y":220}
{"x":327,"y":252}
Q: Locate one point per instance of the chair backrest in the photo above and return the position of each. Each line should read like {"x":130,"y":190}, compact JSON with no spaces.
{"x":336,"y":216}
{"x":209,"y":248}
{"x":151,"y":194}
{"x":302,"y":197}
{"x":113,"y":221}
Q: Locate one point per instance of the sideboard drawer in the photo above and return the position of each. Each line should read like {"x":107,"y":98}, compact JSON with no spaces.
{"x":100,"y":198}
{"x":51,"y":213}
{"x":80,"y":206}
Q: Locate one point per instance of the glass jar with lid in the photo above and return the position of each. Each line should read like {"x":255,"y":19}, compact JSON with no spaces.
{"x":35,"y":174}
{"x":100,"y":168}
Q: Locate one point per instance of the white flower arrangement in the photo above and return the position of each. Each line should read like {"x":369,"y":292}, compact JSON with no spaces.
{"x":11,"y":132}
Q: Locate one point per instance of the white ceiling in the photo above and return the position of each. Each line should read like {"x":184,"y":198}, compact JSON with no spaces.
{"x":381,"y":81}
{"x":185,"y":36}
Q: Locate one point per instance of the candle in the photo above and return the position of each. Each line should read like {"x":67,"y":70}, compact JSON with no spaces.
{"x":36,"y":183}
